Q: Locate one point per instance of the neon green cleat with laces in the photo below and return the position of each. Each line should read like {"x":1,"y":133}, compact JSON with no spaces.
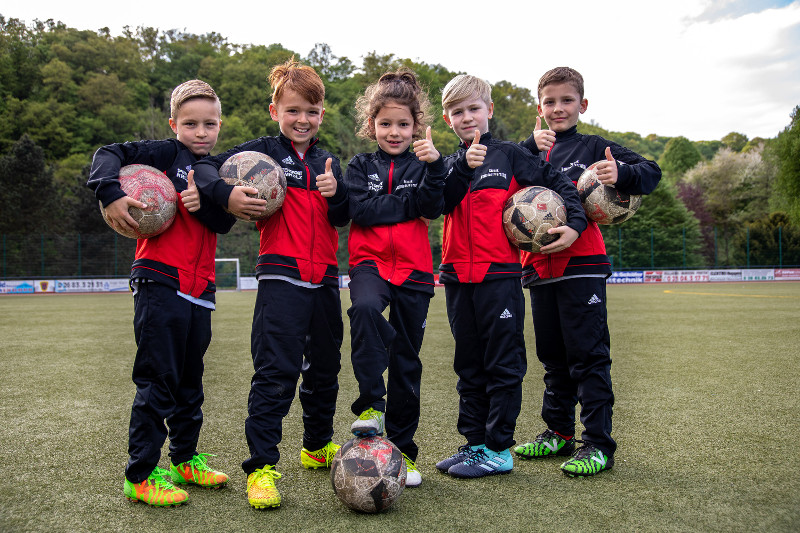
{"x":157,"y":490}
{"x":321,"y":458}
{"x":197,"y":472}
{"x":261,"y":489}
{"x":546,"y":444}
{"x":587,"y":461}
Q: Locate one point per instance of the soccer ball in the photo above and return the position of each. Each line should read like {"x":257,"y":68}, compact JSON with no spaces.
{"x":603,"y":203}
{"x":254,"y":169}
{"x":529,"y":213}
{"x":152,"y":187}
{"x":368,"y":474}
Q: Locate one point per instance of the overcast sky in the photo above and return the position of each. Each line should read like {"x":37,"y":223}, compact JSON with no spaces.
{"x":696,"y":68}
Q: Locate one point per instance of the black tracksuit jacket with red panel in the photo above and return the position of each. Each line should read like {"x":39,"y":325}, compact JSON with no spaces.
{"x":573,"y":153}
{"x":474,"y":245}
{"x":298,"y":241}
{"x":388,"y":195}
{"x":183,"y":256}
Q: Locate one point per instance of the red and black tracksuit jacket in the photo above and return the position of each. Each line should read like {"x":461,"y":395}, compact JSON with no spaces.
{"x":474,"y":244}
{"x":388,"y":195}
{"x":299,"y":241}
{"x":571,"y":154}
{"x":183,"y":256}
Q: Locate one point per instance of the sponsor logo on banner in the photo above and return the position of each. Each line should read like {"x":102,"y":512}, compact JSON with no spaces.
{"x":787,"y":273}
{"x":652,"y":276}
{"x":758,"y":274}
{"x":16,"y":287}
{"x":44,"y":285}
{"x":684,"y":276}
{"x":725,"y":275}
{"x":626,"y":277}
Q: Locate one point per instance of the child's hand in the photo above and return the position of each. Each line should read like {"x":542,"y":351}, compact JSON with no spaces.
{"x":243,"y":206}
{"x":607,"y":172}
{"x":476,"y":152}
{"x":568,"y":236}
{"x":326,"y":183}
{"x":118,"y":216}
{"x":427,"y":221}
{"x":545,"y":139}
{"x":191,"y":196}
{"x":424,"y":148}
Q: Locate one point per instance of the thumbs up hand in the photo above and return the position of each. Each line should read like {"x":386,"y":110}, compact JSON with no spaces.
{"x":545,"y":139}
{"x":607,"y":171}
{"x":424,"y":148}
{"x":326,"y":183}
{"x":191,"y":196}
{"x":476,"y":151}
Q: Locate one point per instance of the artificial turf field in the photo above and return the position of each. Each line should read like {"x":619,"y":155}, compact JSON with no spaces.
{"x":706,"y":378}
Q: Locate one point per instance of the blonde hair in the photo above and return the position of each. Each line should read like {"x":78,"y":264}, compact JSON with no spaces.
{"x":187,"y":91}
{"x":299,"y":78}
{"x":464,"y":87}
{"x":400,"y":87}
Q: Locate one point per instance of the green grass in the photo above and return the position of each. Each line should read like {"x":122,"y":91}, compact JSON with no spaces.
{"x":706,"y":378}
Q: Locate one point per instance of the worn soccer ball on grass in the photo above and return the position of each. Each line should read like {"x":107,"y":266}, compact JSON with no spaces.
{"x":529,"y":213}
{"x":603,"y":203}
{"x":254,"y":169}
{"x":153,"y":188}
{"x":368,"y":474}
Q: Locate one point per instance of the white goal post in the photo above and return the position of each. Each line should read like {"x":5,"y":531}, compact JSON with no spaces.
{"x":224,"y":271}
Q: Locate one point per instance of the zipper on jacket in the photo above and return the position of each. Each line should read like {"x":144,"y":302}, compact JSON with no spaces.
{"x":311,"y":206}
{"x":470,"y":240}
{"x":391,"y":239}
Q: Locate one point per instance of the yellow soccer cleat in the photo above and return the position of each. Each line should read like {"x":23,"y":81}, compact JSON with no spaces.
{"x":261,"y":490}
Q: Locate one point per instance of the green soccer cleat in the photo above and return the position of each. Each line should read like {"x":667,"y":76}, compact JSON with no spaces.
{"x":197,"y":472}
{"x":368,"y":424}
{"x":587,"y":461}
{"x":321,"y":458}
{"x":261,"y":490}
{"x":546,"y":444}
{"x":157,"y":490}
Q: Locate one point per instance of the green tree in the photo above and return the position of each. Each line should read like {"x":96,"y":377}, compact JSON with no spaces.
{"x":735,"y":141}
{"x":662,"y":234}
{"x":784,"y":151}
{"x":679,"y":156}
{"x":27,"y":194}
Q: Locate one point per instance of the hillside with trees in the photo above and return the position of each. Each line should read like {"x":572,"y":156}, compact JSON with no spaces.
{"x":64,"y":92}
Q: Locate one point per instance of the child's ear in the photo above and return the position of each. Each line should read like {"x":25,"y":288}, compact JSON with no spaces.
{"x":173,"y":125}
{"x":584,"y":105}
{"x":447,"y":120}
{"x":273,"y":112}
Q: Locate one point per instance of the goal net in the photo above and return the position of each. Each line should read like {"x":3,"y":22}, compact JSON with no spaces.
{"x":227,"y":274}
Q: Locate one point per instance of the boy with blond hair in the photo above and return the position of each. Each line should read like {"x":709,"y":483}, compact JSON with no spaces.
{"x":172,"y":278}
{"x":481,"y":270}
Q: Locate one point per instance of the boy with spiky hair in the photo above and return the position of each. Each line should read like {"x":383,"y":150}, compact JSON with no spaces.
{"x":481,"y":270}
{"x":172,"y":278}
{"x":568,"y":287}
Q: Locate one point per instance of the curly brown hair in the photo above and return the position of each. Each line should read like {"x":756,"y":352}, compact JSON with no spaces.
{"x":400,"y":87}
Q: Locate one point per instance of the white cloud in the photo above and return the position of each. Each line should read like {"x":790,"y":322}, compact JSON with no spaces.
{"x":698,"y":69}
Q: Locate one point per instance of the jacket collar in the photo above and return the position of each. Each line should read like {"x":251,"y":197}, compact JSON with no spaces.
{"x":484,"y":138}
{"x":563,"y":135}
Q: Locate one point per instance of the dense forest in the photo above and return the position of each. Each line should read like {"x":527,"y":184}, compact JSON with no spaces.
{"x":65,"y":92}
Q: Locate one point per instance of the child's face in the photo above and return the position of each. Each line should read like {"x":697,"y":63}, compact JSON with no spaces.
{"x":197,"y":125}
{"x":394,"y":128}
{"x":561,"y":106}
{"x":464,"y":117}
{"x":298,"y":118}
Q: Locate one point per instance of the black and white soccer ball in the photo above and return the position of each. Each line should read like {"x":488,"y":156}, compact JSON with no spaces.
{"x":368,"y":474}
{"x":529,"y":213}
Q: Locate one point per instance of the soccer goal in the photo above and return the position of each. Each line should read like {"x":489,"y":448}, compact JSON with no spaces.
{"x":228,"y":276}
